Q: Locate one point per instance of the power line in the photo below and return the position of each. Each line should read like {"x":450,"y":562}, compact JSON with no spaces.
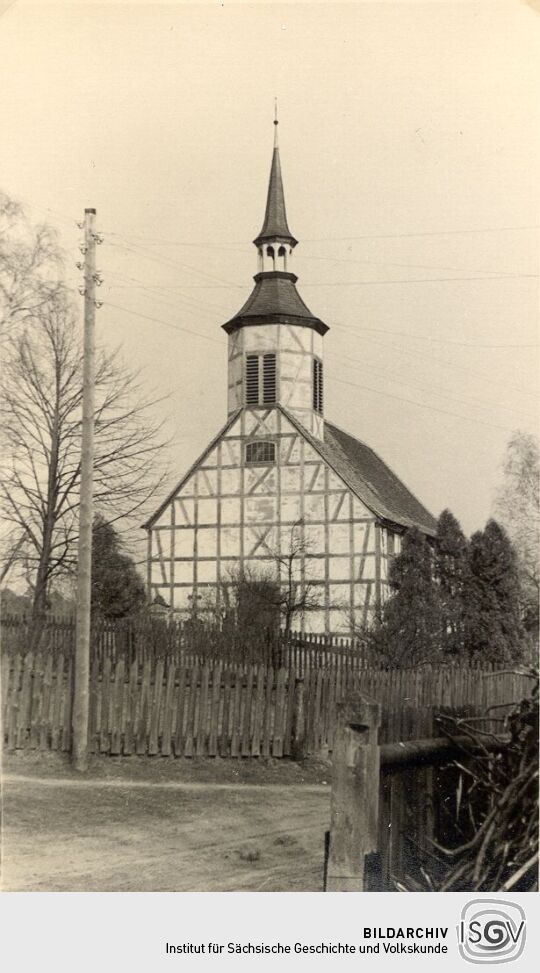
{"x":444,"y":393}
{"x":415,"y":280}
{"x":444,"y":341}
{"x":431,"y":358}
{"x":166,"y":324}
{"x":419,"y":405}
{"x":364,"y":236}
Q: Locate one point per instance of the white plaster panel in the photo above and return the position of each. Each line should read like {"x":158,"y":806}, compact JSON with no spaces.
{"x":314,"y":474}
{"x":310,"y":455}
{"x":360,"y":509}
{"x":184,"y":513}
{"x":262,"y":338}
{"x":207,"y":510}
{"x":163,"y":538}
{"x":316,"y":622}
{"x":230,"y":541}
{"x":360,"y":594}
{"x":231,"y":452}
{"x":290,"y":508}
{"x":359,"y":535}
{"x":338,"y":621}
{"x":314,"y":535}
{"x":207,"y":571}
{"x":183,"y":597}
{"x":290,"y":479}
{"x":183,"y":542}
{"x":260,"y":479}
{"x":260,"y":509}
{"x":207,"y":483}
{"x":338,"y":538}
{"x":207,"y":542}
{"x":230,"y":510}
{"x":367,"y":568}
{"x":340,"y":568}
{"x":314,"y":507}
{"x":183,"y":572}
{"x":158,"y":576}
{"x":335,"y":482}
{"x":290,"y":449}
{"x":339,"y":506}
{"x":315,"y":569}
{"x":230,"y":481}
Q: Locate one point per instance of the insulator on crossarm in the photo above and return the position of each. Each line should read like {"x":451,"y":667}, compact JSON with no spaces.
{"x":79,"y":265}
{"x":83,"y":249}
{"x":98,"y":304}
{"x":82,"y":291}
{"x":97,"y":238}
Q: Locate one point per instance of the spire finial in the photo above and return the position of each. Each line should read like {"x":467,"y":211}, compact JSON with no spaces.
{"x":276,"y":123}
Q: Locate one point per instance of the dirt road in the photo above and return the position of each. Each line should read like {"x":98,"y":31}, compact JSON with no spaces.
{"x":108,"y":835}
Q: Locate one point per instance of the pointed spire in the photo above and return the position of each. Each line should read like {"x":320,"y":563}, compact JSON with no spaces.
{"x":275,"y":226}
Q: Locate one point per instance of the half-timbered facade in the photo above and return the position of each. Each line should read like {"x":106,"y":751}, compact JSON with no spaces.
{"x":278,"y":478}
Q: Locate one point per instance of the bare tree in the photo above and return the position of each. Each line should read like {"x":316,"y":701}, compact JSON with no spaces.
{"x":41,"y":412}
{"x":297,"y":593}
{"x":30,"y":267}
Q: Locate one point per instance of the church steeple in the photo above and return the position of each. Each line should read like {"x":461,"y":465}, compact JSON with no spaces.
{"x":275,"y":342}
{"x":275,"y":228}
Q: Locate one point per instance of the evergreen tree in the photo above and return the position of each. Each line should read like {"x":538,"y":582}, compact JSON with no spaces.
{"x":410,"y":625}
{"x":117,"y":588}
{"x":493,"y":629}
{"x":451,"y":569}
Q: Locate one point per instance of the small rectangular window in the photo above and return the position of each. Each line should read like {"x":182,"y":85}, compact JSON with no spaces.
{"x":317,"y":386}
{"x":261,"y":452}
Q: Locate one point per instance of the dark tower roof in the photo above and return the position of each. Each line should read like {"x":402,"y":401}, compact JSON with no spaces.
{"x":275,"y":226}
{"x":275,"y":296}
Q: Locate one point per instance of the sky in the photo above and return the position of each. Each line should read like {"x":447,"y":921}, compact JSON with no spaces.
{"x":409,"y":139}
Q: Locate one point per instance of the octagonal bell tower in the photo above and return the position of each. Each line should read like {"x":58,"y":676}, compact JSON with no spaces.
{"x":275,"y":342}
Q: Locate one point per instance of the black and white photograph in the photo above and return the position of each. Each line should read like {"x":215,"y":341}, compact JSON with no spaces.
{"x":269,"y":456}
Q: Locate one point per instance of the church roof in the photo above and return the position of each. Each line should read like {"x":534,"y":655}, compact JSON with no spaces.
{"x":370,"y":478}
{"x":275,"y":218}
{"x":275,"y":297}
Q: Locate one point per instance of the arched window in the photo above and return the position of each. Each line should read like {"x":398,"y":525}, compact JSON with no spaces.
{"x":282,"y":252}
{"x":262,"y":452}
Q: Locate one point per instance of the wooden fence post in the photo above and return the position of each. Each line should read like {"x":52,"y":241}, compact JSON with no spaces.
{"x":355,"y":793}
{"x":296,"y":686}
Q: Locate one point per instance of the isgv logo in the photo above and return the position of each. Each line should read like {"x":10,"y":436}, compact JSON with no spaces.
{"x":491,"y":931}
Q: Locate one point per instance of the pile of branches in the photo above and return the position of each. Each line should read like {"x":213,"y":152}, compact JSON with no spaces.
{"x":493,"y":833}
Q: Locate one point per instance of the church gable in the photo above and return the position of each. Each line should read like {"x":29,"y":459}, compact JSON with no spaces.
{"x":229,"y":510}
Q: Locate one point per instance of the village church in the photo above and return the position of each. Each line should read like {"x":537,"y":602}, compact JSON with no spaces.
{"x":280,"y":486}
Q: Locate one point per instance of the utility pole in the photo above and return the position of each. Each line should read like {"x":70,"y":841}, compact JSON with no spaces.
{"x":81,"y":687}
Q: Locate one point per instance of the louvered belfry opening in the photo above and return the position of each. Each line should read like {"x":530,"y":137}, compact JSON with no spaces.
{"x":261,"y":382}
{"x":317,"y":386}
{"x":252,"y":379}
{"x":269,"y":379}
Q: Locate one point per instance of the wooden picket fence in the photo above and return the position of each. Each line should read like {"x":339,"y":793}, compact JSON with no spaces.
{"x":165,"y":707}
{"x":146,"y":638}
